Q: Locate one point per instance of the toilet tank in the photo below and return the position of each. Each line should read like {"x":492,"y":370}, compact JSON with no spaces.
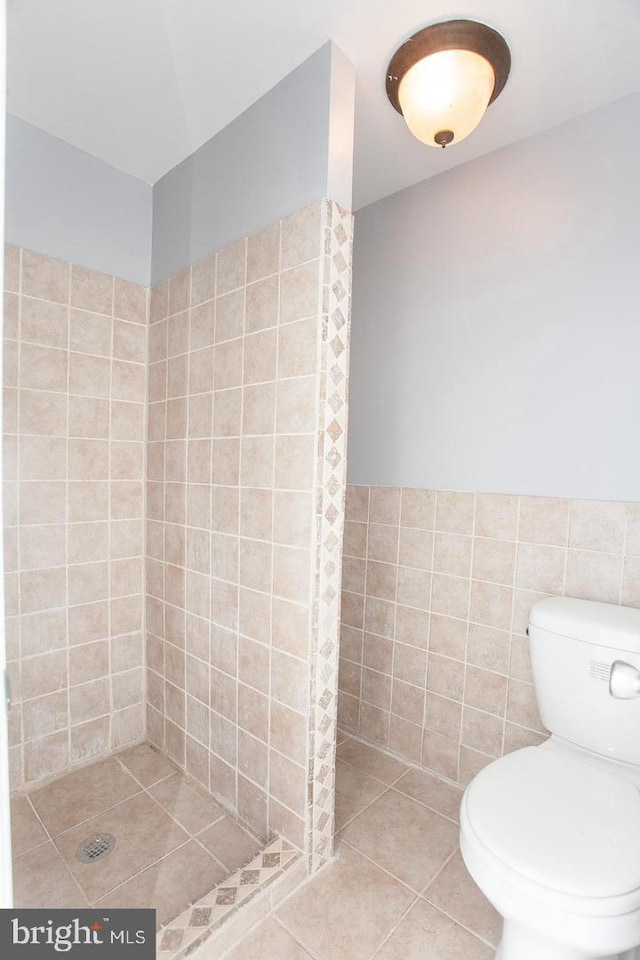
{"x":586,"y":670}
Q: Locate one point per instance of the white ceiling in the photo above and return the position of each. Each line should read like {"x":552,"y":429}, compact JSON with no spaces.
{"x":141,"y":84}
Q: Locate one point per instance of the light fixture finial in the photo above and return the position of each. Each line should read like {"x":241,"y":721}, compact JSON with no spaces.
{"x":443,"y":138}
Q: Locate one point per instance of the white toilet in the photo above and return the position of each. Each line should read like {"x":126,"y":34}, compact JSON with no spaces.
{"x":551,"y":834}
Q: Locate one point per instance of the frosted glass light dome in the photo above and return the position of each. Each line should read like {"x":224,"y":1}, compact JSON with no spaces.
{"x":442,"y":79}
{"x":447,"y":91}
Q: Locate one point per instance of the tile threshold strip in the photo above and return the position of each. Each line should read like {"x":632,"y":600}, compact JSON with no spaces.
{"x":195,"y":925}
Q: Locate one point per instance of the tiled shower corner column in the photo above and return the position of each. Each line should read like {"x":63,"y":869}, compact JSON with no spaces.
{"x":330,"y":499}
{"x":247,"y":417}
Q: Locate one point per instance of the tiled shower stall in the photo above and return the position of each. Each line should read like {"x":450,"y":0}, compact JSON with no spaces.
{"x":174,"y":489}
{"x":246,"y":459}
{"x":74,"y":412}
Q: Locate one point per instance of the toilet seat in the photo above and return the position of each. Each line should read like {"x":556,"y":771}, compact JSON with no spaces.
{"x":559,"y":823}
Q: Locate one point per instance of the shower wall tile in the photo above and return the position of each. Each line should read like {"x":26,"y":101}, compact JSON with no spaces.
{"x":75,"y":354}
{"x":245,"y":481}
{"x":437,"y":589}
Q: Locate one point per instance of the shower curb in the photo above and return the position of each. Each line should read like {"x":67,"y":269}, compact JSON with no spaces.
{"x":210,"y":917}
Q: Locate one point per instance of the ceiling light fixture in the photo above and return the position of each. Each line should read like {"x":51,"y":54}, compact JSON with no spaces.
{"x":443,"y":78}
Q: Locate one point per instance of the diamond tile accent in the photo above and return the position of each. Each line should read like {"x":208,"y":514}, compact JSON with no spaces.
{"x":338,"y":225}
{"x":337,"y":346}
{"x":331,"y":514}
{"x":338,"y":318}
{"x":335,"y":401}
{"x":338,"y":374}
{"x":271,"y":860}
{"x":226,"y":895}
{"x":331,"y":542}
{"x":334,"y":430}
{"x":339,"y":262}
{"x":171,"y":939}
{"x":201,"y":916}
{"x":205,"y":918}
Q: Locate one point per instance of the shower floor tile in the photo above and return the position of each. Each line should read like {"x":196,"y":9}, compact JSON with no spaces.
{"x":144,"y":834}
{"x":174,"y":843}
{"x":81,"y":795}
{"x":398,"y":889}
{"x":188,"y":869}
{"x":27,"y":831}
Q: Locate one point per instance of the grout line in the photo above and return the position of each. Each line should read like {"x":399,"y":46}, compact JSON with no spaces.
{"x":18,"y":497}
{"x":110,"y":723}
{"x":364,"y":608}
{"x":411,"y":765}
{"x":440,"y":870}
{"x":463,"y":702}
{"x":40,"y":821}
{"x":383,"y":753}
{"x":133,"y":876}
{"x":188,"y":779}
{"x":185,"y":518}
{"x":347,"y":823}
{"x":395,"y":612}
{"x":409,"y":796}
{"x":66,"y":867}
{"x":238,"y":538}
{"x":305,"y":950}
{"x":403,"y":883}
{"x":67,"y":513}
{"x":625,"y":544}
{"x":215,"y":859}
{"x":391,"y":932}
{"x":210,"y":431}
{"x":100,"y":813}
{"x":417,"y":896}
{"x":511,"y":623}
{"x":458,"y":922}
{"x":148,"y":786}
{"x":146,"y":790}
{"x":145,"y":512}
{"x":266,"y":788}
{"x":427,"y":648}
{"x":396,"y":789}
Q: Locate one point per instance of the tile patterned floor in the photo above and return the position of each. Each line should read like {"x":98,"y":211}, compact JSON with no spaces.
{"x":398,"y":889}
{"x":174,"y":842}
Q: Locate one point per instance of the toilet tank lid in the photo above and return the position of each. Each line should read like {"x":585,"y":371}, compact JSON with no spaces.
{"x":604,"y":624}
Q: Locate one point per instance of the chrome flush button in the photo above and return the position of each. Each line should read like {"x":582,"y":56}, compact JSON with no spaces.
{"x":624,"y":682}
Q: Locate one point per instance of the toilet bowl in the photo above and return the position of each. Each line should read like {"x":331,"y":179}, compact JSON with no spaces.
{"x":551,"y":834}
{"x":538,"y":836}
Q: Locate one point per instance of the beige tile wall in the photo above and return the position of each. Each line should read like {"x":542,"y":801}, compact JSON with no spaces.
{"x":74,"y":394}
{"x":437,"y":588}
{"x":236,"y":428}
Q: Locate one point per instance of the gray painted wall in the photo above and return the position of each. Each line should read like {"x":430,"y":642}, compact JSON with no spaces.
{"x":341,"y":128}
{"x":291,"y":147}
{"x":496,"y":320}
{"x":269,"y":162}
{"x":67,"y":204}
